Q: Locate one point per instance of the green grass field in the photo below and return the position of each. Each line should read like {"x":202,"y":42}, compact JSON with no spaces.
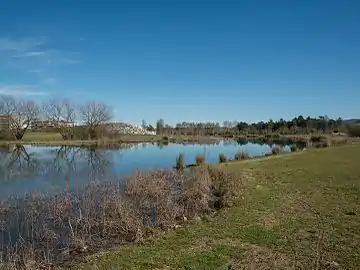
{"x":298,"y":211}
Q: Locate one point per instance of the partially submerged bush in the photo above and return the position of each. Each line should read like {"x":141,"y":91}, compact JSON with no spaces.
{"x":44,"y":231}
{"x":180,"y":163}
{"x":222,"y":158}
{"x":277,"y":150}
{"x":200,"y":160}
{"x":242,"y":155}
{"x":294,"y":148}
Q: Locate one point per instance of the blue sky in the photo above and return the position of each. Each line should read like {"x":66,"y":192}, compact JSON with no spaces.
{"x":186,"y":60}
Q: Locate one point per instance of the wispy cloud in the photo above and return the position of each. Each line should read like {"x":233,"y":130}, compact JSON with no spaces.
{"x":49,"y":80}
{"x":37,"y":56}
{"x":20,"y":45}
{"x":38,"y":49}
{"x":30,"y":54}
{"x":20,"y":90}
{"x":36,"y":71}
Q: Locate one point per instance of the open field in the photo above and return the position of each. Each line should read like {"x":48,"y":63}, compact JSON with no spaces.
{"x":297,"y":211}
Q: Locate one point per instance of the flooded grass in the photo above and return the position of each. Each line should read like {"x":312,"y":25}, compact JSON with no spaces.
{"x":43,"y":230}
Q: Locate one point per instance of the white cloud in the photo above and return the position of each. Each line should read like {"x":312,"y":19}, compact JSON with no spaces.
{"x":36,"y":71}
{"x":20,"y":90}
{"x":30,"y":54}
{"x":20,"y":45}
{"x":49,"y":80}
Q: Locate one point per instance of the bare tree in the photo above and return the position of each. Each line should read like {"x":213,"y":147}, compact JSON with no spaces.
{"x":62,"y":113}
{"x":94,"y":115}
{"x":20,"y":113}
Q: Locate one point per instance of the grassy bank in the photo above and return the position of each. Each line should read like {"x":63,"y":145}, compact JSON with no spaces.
{"x":55,"y":139}
{"x":297,"y":211}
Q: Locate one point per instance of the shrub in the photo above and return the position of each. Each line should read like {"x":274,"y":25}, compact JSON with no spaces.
{"x":318,"y":138}
{"x":6,"y":135}
{"x":200,"y":160}
{"x":353,"y":130}
{"x":242,"y":155}
{"x":294,"y":148}
{"x":276,"y":150}
{"x":222,"y":158}
{"x":180,"y":164}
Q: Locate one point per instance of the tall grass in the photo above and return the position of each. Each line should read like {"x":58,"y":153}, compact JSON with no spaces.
{"x":277,"y":150}
{"x":200,"y":160}
{"x":242,"y":155}
{"x":180,"y":163}
{"x":222,"y":158}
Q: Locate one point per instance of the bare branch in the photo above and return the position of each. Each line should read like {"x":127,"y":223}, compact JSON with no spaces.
{"x":93,"y":115}
{"x":63,"y":114}
{"x":20,"y":114}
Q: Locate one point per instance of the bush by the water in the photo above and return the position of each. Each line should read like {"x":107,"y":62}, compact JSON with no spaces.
{"x":222,"y":158}
{"x":294,"y":148}
{"x":242,"y":155}
{"x":180,"y":163}
{"x":353,"y":130}
{"x":277,"y":150}
{"x":200,"y":160}
{"x":42,"y":231}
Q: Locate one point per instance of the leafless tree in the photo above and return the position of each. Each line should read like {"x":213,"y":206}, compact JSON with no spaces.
{"x":94,"y":115}
{"x":20,"y":113}
{"x":63,"y":114}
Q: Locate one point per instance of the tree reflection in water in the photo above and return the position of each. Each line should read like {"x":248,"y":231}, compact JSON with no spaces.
{"x":65,"y":167}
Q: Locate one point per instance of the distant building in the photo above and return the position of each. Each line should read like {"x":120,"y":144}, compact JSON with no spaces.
{"x":41,"y":124}
{"x":4,"y":122}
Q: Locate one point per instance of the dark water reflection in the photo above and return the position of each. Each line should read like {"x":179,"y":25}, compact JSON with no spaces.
{"x":27,"y":169}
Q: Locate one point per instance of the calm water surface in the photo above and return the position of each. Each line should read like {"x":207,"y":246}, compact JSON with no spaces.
{"x":53,"y":169}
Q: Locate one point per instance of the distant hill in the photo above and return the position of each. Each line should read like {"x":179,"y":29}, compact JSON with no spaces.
{"x":351,"y":121}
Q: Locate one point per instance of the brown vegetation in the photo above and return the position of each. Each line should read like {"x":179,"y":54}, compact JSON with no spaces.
{"x":277,"y":150}
{"x":242,"y":155}
{"x":200,"y":160}
{"x":180,"y":163}
{"x":222,"y":158}
{"x":44,"y":230}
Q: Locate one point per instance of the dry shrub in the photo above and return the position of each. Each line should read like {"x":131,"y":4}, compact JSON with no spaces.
{"x":277,"y":150}
{"x":180,"y":164}
{"x":242,"y":155}
{"x":353,"y":130}
{"x":226,"y":187}
{"x":294,"y":148}
{"x":49,"y":229}
{"x":222,"y":158}
{"x":41,"y":231}
{"x":195,"y":194}
{"x":200,"y":160}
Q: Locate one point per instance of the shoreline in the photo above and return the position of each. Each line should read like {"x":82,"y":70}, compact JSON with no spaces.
{"x":137,"y":139}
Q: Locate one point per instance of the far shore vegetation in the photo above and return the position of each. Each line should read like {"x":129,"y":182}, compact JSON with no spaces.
{"x":61,"y":122}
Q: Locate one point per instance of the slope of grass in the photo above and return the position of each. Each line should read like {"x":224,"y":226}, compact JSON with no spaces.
{"x":298,"y":211}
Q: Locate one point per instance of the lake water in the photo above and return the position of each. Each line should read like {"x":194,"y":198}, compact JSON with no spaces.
{"x":30,"y":169}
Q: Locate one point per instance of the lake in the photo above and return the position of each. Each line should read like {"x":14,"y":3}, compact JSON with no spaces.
{"x":29,"y":169}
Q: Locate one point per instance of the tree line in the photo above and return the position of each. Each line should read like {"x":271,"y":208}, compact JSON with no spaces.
{"x":298,"y":125}
{"x":18,"y":115}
